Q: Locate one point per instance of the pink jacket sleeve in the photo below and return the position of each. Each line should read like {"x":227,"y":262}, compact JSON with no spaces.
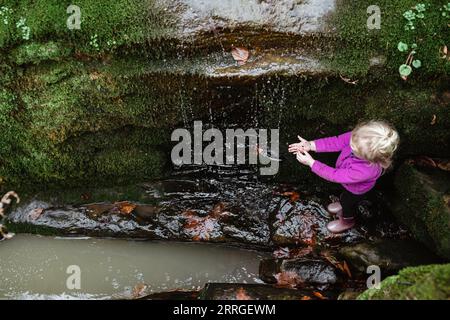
{"x":354,"y":174}
{"x":333,"y":144}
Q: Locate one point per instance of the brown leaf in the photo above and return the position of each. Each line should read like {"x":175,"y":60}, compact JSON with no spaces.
{"x":443,"y":164}
{"x":139,"y":290}
{"x":347,"y":80}
{"x":305,"y":298}
{"x":293,"y":196}
{"x":36,"y":213}
{"x":288,"y":279}
{"x":319,"y":295}
{"x":241,"y":294}
{"x":199,"y":228}
{"x":240,"y":54}
{"x":125,"y":207}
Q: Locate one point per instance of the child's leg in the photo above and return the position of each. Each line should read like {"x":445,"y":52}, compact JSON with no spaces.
{"x":346,"y":220}
{"x":350,"y":202}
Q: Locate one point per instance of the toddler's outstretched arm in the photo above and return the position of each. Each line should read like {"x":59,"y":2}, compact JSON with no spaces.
{"x":333,"y":144}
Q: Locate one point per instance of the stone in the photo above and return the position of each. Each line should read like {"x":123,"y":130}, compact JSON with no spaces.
{"x":309,"y":272}
{"x":388,"y":254}
{"x":421,"y":203}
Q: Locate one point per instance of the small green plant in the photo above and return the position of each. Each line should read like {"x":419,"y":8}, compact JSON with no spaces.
{"x":5,"y":14}
{"x":445,"y":10}
{"x":24,"y":29}
{"x":415,"y":14}
{"x":111,"y":44}
{"x":406,"y":69}
{"x":94,"y":42}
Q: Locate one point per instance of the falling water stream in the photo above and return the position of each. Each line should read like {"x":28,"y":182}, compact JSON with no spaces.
{"x":35,"y":267}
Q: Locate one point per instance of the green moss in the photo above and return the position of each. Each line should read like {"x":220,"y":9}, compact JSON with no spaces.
{"x":431,"y":282}
{"x":359,"y":44}
{"x":37,"y":52}
{"x":111,"y":23}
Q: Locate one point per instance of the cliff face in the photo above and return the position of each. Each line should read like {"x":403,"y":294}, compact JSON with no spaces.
{"x":98,"y":104}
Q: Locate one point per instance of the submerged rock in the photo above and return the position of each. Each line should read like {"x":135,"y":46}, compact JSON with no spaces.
{"x":390,"y":255}
{"x":421,"y":202}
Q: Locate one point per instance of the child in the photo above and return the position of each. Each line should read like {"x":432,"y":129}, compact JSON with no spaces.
{"x":365,"y":153}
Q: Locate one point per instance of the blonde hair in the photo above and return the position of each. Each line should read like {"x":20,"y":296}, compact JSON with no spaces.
{"x":375,"y":141}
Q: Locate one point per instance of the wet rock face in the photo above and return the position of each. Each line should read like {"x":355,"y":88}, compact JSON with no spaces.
{"x":421,"y":203}
{"x":290,"y":16}
{"x":236,"y":210}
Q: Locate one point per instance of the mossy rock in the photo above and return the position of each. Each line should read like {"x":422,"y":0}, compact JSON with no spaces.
{"x":421,"y":203}
{"x":430,"y":282}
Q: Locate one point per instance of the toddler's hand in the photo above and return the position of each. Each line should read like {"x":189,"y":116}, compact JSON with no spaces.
{"x":302,"y":146}
{"x":305,"y":158}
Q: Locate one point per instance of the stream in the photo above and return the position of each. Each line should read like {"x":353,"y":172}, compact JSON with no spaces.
{"x":35,"y":267}
{"x":224,"y":227}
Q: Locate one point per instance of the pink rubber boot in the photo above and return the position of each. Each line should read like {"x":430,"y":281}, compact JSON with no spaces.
{"x":335,"y":209}
{"x":340,"y":225}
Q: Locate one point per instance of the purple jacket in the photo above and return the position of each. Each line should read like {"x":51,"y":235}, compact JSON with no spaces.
{"x":356,"y":175}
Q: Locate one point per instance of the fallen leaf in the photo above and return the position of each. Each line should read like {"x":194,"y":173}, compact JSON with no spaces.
{"x":199,"y":228}
{"x":288,"y":279}
{"x":125,"y":207}
{"x":240,"y":54}
{"x":241,"y":294}
{"x":433,"y":121}
{"x":319,"y":295}
{"x":293,"y":196}
{"x":139,"y":290}
{"x":36,"y":213}
{"x":347,"y":80}
{"x":443,"y":164}
{"x":305,"y":298}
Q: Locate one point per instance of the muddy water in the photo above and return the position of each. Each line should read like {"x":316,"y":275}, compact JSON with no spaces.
{"x":33,"y":267}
